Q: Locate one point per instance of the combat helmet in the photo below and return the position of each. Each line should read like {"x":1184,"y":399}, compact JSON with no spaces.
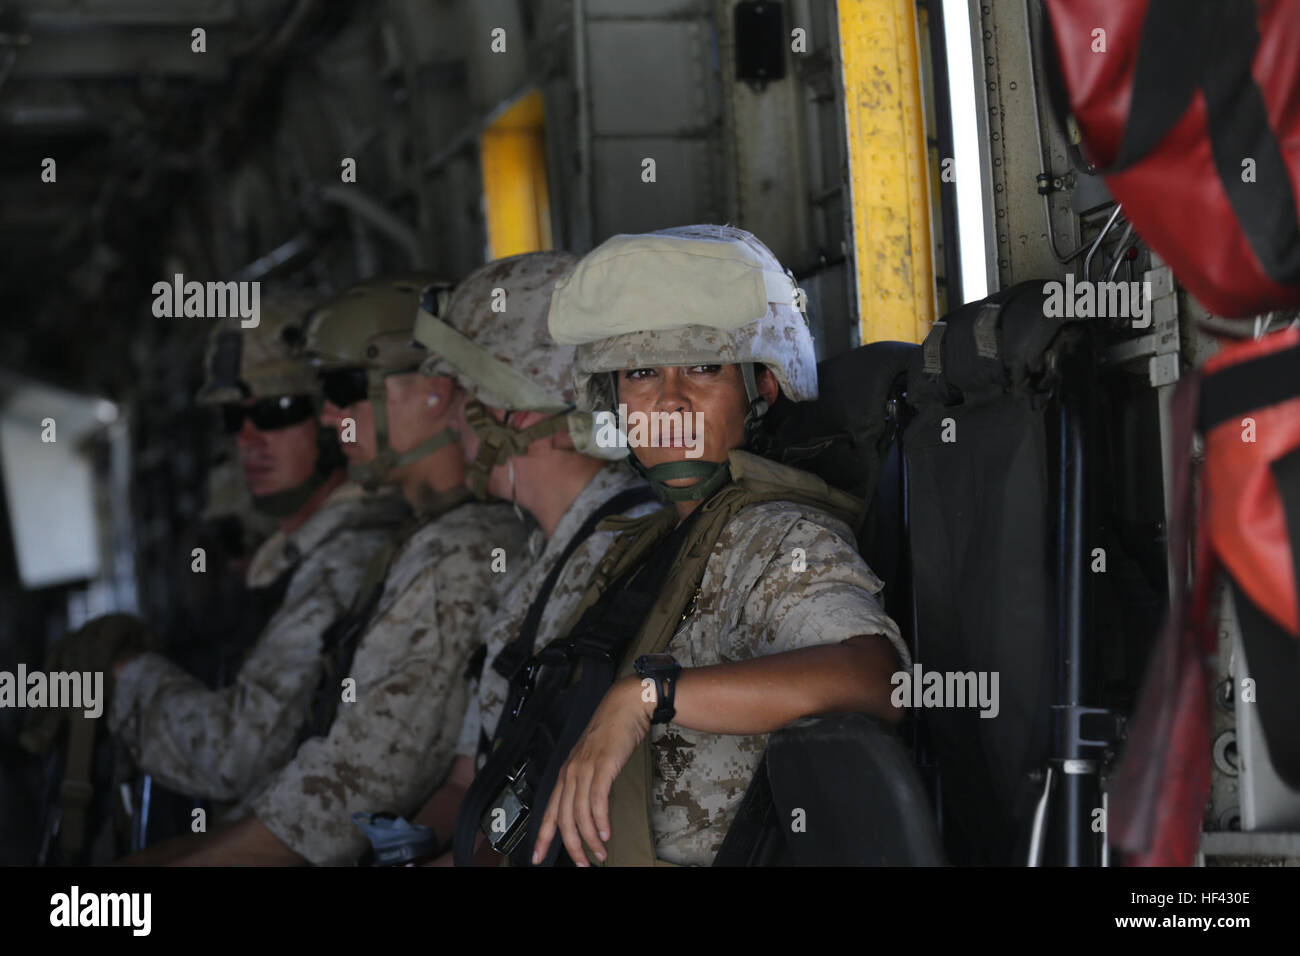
{"x":262,"y":362}
{"x":491,"y":338}
{"x":689,"y":295}
{"x":360,"y":337}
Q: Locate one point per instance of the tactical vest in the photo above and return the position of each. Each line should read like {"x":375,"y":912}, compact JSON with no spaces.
{"x":553,"y":694}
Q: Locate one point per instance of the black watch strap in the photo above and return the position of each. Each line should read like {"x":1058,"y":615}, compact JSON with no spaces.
{"x":664,"y":670}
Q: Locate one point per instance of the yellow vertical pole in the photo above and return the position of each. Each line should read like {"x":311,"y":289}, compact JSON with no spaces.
{"x":516,"y":200}
{"x":888,"y":175}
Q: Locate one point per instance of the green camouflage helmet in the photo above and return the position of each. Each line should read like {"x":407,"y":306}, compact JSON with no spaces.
{"x":261,"y":361}
{"x":370,"y":326}
{"x":689,"y":295}
{"x":491,"y":338}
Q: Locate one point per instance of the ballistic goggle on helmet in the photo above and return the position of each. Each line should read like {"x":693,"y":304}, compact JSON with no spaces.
{"x":359,"y":338}
{"x":491,"y":338}
{"x":260,"y":361}
{"x":691,"y":295}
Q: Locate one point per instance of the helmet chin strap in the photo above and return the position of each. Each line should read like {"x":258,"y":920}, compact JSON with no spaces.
{"x":712,"y":475}
{"x":282,"y":504}
{"x":498,"y":442}
{"x":375,"y":473}
{"x":757,"y":404}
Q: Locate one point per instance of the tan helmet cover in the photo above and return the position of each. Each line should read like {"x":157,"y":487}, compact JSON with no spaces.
{"x":684,"y":296}
{"x":369,"y":325}
{"x":261,"y":361}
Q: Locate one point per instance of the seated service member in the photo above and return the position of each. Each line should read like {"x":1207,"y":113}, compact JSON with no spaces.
{"x":525,"y":444}
{"x":390,"y":711}
{"x":220,"y":744}
{"x":741,"y":639}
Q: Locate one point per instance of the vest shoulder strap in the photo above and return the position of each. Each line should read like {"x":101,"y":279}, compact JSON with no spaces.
{"x":513,"y":655}
{"x":774,"y":481}
{"x":755,"y":480}
{"x":636,"y":539}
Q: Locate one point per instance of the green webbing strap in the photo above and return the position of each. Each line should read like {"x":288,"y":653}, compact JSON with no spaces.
{"x":378,"y":392}
{"x":712,"y":474}
{"x":371,"y":475}
{"x":375,"y":472}
{"x":376,"y":571}
{"x":756,"y":480}
{"x":435,"y":503}
{"x":281,"y":504}
{"x":499,"y":442}
{"x":477,"y":364}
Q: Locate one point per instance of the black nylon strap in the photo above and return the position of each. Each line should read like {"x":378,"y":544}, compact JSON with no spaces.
{"x":490,"y":780}
{"x":339,"y":642}
{"x":601,"y":640}
{"x":1286,"y":475}
{"x":1171,"y":56}
{"x":607,"y":627}
{"x":1273,"y":658}
{"x":1188,"y":45}
{"x":1239,"y":128}
{"x":1247,"y":386}
{"x":514,"y":654}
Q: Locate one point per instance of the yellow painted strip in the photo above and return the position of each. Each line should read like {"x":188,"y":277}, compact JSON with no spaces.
{"x":888,"y":175}
{"x":516,"y":199}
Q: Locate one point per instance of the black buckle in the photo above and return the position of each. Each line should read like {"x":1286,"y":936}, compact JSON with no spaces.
{"x":527,"y":682}
{"x":505,"y":822}
{"x":592,"y":647}
{"x":557,"y":652}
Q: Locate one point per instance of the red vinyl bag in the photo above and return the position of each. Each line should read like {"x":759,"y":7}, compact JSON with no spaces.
{"x":1246,"y":402}
{"x":1191,"y":111}
{"x":1250,"y":417}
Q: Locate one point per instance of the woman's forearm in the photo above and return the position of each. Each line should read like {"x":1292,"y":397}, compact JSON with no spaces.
{"x":766,"y":693}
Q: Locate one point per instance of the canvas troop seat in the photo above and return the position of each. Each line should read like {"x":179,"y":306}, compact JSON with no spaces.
{"x":1005,"y":469}
{"x":841,"y":789}
{"x":973,"y":452}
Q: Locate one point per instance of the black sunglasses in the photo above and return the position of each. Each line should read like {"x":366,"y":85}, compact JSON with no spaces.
{"x":268,"y":414}
{"x":345,"y":386}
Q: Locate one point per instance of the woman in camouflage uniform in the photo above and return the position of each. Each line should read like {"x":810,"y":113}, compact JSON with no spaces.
{"x":780,"y":617}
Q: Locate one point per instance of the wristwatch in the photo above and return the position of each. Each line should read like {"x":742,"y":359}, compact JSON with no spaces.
{"x":663,"y":669}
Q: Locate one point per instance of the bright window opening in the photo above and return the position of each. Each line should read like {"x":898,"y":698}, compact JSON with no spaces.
{"x":971,"y":221}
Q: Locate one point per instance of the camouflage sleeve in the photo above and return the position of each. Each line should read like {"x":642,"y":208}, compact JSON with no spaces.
{"x":220,"y":744}
{"x":814,"y":589}
{"x":388,"y":748}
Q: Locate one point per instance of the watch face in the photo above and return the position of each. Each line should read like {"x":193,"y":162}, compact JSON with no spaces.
{"x":657,"y":662}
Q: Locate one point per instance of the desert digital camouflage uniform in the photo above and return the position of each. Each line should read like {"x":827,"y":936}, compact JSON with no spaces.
{"x":486,"y":707}
{"x":395,"y":743}
{"x":220,"y":744}
{"x":752,"y":602}
{"x":507,"y":359}
{"x":717,"y":295}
